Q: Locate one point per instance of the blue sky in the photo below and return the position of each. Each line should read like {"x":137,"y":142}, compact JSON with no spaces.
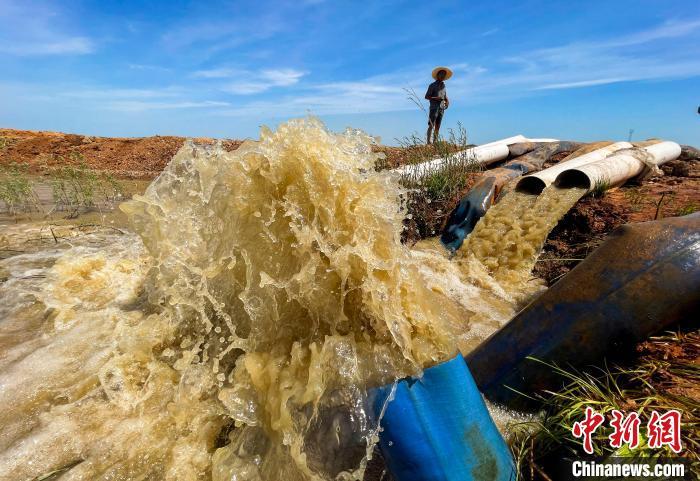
{"x":575,"y":70}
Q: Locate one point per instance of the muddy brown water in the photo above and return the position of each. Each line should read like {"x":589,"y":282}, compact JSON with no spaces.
{"x":233,"y":330}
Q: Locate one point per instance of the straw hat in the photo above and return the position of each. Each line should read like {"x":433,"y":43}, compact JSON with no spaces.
{"x":446,"y":69}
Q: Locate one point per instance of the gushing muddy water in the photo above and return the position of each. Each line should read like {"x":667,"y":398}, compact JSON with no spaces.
{"x":509,"y":238}
{"x":235,"y":334}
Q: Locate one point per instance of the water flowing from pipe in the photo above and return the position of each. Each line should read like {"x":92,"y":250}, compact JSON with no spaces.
{"x":234,"y":336}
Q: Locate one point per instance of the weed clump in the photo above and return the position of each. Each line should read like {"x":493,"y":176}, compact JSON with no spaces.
{"x":433,"y":189}
{"x":665,"y":377}
{"x":687,"y":209}
{"x":601,"y":185}
{"x":16,"y":193}
{"x":75,"y":188}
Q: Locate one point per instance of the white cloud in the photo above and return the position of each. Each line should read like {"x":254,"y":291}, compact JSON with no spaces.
{"x":666,"y":30}
{"x":257,"y":82}
{"x":245,"y":88}
{"x":216,"y":73}
{"x":111,"y":93}
{"x":154,"y":68}
{"x":282,"y":77}
{"x":34,"y":29}
{"x":57,"y":46}
{"x":382,"y":93}
{"x":632,"y":57}
{"x":140,"y":106}
{"x":641,"y":55}
{"x":117,"y":99}
{"x":233,"y":32}
{"x":490,"y":31}
{"x":583,"y":83}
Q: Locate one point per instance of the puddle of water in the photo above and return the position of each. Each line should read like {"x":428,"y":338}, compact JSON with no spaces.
{"x":47,"y":210}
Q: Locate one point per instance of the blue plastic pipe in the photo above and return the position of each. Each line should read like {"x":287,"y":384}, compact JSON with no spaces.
{"x":437,"y":428}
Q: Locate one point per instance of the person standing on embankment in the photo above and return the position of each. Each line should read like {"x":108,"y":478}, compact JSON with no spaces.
{"x":437,"y":95}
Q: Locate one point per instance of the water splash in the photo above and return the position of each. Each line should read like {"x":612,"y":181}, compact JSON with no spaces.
{"x":236,"y":337}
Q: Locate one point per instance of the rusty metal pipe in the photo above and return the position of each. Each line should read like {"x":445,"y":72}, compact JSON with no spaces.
{"x":645,"y":278}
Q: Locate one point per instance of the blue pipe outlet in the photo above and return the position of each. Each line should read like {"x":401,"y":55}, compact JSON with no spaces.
{"x":437,"y":428}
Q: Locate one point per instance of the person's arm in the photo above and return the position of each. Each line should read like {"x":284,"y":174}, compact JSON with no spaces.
{"x":429,"y":94}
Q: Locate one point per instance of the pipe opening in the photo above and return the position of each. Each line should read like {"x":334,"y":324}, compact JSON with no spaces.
{"x":530,"y":185}
{"x":573,"y":178}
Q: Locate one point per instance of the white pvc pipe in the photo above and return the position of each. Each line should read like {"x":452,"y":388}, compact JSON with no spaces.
{"x":535,"y":183}
{"x":509,"y":140}
{"x":618,"y":168}
{"x":484,"y":154}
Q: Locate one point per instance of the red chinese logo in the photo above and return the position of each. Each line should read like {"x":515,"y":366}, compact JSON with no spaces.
{"x":665,"y":429}
{"x":625,"y":430}
{"x":662,"y":429}
{"x":587,"y":427}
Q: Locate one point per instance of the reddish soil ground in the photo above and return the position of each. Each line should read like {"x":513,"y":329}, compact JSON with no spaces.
{"x":125,"y":157}
{"x":685,"y":352}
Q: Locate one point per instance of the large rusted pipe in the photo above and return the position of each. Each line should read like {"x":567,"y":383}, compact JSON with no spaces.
{"x":645,"y":278}
{"x":535,"y":183}
{"x":618,"y":168}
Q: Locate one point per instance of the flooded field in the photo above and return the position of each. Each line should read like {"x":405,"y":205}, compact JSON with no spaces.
{"x":233,"y":329}
{"x":48,"y":210}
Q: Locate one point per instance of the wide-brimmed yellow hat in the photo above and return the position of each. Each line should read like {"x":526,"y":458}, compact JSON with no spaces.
{"x":446,"y":69}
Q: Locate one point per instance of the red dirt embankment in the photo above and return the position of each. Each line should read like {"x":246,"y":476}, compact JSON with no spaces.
{"x":143,"y":157}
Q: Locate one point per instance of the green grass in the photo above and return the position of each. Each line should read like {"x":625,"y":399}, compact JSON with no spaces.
{"x":658,"y":381}
{"x":600,"y":186}
{"x":75,"y":187}
{"x":636,"y":199}
{"x":688,"y":209}
{"x":433,"y":192}
{"x":16,"y":191}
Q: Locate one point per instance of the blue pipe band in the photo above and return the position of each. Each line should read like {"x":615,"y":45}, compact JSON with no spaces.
{"x":437,"y":428}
